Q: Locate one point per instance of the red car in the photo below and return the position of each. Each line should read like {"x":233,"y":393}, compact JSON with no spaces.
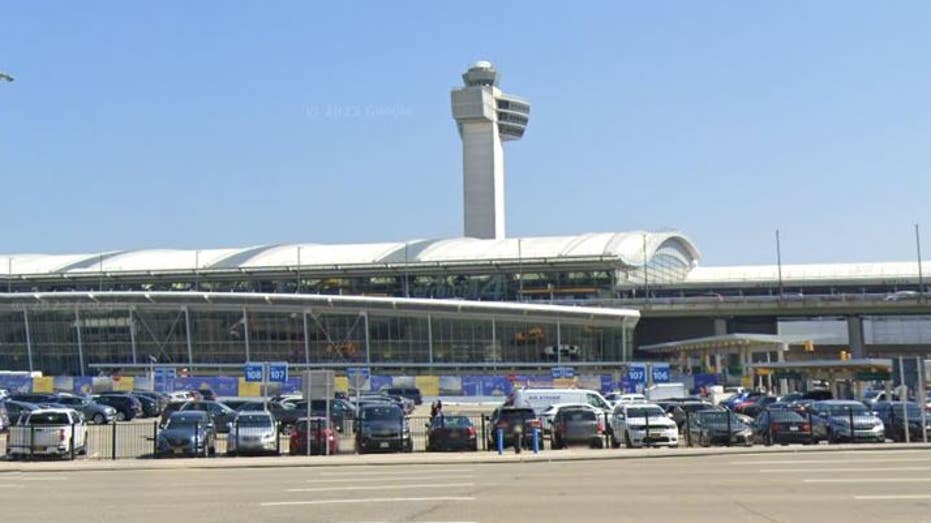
{"x":320,"y":438}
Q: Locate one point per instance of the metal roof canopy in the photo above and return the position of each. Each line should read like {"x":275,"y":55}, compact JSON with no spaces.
{"x":858,"y":364}
{"x":725,"y":343}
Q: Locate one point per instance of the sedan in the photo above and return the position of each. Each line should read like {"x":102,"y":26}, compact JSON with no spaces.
{"x":578,"y":425}
{"x":188,"y":434}
{"x":253,"y":433}
{"x":719,"y":427}
{"x":322,"y":439}
{"x":451,"y":433}
{"x":832,"y":421}
{"x":782,"y":427}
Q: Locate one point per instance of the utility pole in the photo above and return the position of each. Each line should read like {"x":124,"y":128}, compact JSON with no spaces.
{"x":779,"y":261}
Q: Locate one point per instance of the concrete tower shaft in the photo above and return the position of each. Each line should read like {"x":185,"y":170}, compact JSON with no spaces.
{"x":485,"y":117}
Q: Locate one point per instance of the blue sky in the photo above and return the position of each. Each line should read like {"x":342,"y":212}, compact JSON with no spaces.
{"x":223,"y":123}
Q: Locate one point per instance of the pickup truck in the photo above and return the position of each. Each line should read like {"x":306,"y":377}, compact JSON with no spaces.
{"x":48,"y":432}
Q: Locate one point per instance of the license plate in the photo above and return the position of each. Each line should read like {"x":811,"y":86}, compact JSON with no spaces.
{"x":656,"y":433}
{"x":793,"y":428}
{"x":383,"y":444}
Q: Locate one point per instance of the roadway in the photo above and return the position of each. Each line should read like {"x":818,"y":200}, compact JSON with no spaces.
{"x":843,"y":486}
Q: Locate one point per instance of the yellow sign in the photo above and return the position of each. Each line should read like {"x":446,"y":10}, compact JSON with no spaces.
{"x":764,"y":372}
{"x":428,"y":385}
{"x":341,"y":383}
{"x":249,"y":389}
{"x":43,"y":384}
{"x":124,"y":384}
{"x":746,"y":381}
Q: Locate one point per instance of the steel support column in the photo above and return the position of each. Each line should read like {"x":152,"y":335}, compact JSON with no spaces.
{"x":132,"y":335}
{"x":77,"y":325}
{"x":28,"y":339}
{"x":245,"y":333}
{"x":368,"y":350}
{"x":187,"y":333}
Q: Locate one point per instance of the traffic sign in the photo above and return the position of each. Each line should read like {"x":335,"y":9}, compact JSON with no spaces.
{"x":278,"y":372}
{"x":637,"y":373}
{"x":358,"y":376}
{"x":255,"y":372}
{"x":563,"y":373}
{"x":660,"y":372}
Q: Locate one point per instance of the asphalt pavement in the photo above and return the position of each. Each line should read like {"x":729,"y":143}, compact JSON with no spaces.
{"x":839,"y":485}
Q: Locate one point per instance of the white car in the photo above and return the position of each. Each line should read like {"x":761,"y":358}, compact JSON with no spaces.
{"x":643,"y":424}
{"x":48,"y":432}
{"x":616,"y":398}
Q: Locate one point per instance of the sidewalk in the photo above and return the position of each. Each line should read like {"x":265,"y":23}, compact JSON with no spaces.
{"x":480,"y":457}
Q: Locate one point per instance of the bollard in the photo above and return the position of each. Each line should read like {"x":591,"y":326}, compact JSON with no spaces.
{"x":154,"y":439}
{"x":607,"y":432}
{"x":728,"y":413}
{"x":72,"y":442}
{"x":277,"y":438}
{"x":688,"y":428}
{"x":536,"y":440}
{"x":500,"y":441}
{"x":853,"y":435}
{"x":484,"y":435}
{"x":113,"y":441}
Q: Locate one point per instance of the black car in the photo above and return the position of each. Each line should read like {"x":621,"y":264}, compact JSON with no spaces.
{"x":150,"y":406}
{"x":451,"y":433}
{"x":127,"y":406}
{"x":781,"y":427}
{"x":511,"y":420}
{"x":15,"y":409}
{"x":893,"y":418}
{"x":383,"y":428}
{"x":411,"y":393}
{"x":342,"y":413}
{"x":221,"y":415}
{"x":577,"y":425}
{"x":718,"y":427}
{"x":188,"y":434}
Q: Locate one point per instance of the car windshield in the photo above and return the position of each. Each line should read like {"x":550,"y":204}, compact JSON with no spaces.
{"x":182,"y":422}
{"x":253,"y":421}
{"x":642,"y":412}
{"x":49,"y":418}
{"x":578,"y":415}
{"x":381,"y":413}
{"x":844,"y":409}
{"x":454,"y":422}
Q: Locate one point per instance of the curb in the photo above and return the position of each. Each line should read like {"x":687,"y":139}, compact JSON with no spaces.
{"x":359,"y":461}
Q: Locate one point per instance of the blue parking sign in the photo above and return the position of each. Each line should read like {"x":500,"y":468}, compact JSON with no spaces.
{"x":278,"y":372}
{"x":660,"y":372}
{"x":637,"y":373}
{"x":255,"y":372}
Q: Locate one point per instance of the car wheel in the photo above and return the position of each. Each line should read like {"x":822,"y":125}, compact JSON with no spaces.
{"x":629,"y":444}
{"x":615,"y":444}
{"x":99,"y":419}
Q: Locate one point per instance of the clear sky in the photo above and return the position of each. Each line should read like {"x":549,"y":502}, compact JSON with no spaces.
{"x":224,"y":123}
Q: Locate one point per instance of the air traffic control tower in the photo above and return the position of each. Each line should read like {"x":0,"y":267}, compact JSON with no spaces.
{"x":485,"y":117}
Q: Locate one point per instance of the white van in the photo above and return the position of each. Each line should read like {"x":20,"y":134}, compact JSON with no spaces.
{"x":541,"y":399}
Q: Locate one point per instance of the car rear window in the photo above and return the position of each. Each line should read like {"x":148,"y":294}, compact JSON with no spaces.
{"x":579,"y":415}
{"x":785,"y":416}
{"x":50,"y":418}
{"x":517,"y":415}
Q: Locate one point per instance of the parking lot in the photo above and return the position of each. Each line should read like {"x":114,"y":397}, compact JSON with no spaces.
{"x":877,"y":485}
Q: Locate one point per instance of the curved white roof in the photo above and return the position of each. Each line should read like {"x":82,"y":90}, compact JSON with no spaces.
{"x":814,"y":272}
{"x":625,"y":248}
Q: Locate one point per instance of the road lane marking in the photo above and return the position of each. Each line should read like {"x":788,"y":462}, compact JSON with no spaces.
{"x":382,"y":487}
{"x":823,"y":461}
{"x":364,"y":500}
{"x":30,"y":478}
{"x":848,"y":469}
{"x":865,"y":480}
{"x":405,"y":472}
{"x":893,"y":497}
{"x":392,"y":478}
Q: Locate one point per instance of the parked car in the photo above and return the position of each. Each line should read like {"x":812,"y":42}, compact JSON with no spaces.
{"x":285,"y":413}
{"x":643,"y":424}
{"x":253,"y":432}
{"x":753,"y":409}
{"x":93,"y":411}
{"x":872,"y":397}
{"x":718,"y":427}
{"x":573,"y":425}
{"x":16,"y":409}
{"x":221,"y":415}
{"x":320,"y":437}
{"x":127,"y":407}
{"x":451,"y":432}
{"x":890,"y":412}
{"x":383,"y":428}
{"x":508,"y":419}
{"x":48,"y":432}
{"x":618,"y":397}
{"x":549,"y":415}
{"x":781,"y":427}
{"x":189,"y":433}
{"x":411,"y":393}
{"x":682,"y":411}
{"x":180,"y":396}
{"x":831,"y":421}
{"x":162,"y":400}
